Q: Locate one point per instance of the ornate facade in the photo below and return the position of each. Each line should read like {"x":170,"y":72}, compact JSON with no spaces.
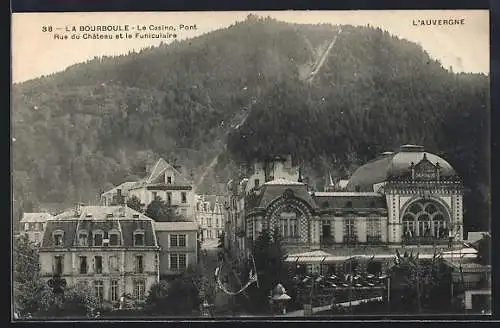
{"x":410,"y":198}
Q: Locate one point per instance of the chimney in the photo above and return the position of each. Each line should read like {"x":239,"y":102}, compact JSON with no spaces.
{"x":78,"y":210}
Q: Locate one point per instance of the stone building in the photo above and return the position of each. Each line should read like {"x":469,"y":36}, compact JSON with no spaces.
{"x":410,"y":198}
{"x":210,"y":216}
{"x":164,"y":181}
{"x":112,"y":250}
{"x":179,"y":247}
{"x":33,"y":225}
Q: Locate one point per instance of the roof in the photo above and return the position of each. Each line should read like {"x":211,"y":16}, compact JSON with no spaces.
{"x":36,"y":217}
{"x":283,"y":181}
{"x":101,"y":212}
{"x":474,"y":236}
{"x":263,"y":196}
{"x":340,"y":200}
{"x":156,"y":177}
{"x":124,"y":220}
{"x":125,"y":187}
{"x":176,"y":226}
{"x":394,"y":165}
{"x":212,"y":200}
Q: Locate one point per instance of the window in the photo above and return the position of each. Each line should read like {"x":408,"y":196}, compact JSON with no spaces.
{"x":173,"y":240}
{"x":182,"y":240}
{"x":37,"y":236}
{"x":98,"y":264}
{"x":138,"y":238}
{"x":350,"y":233}
{"x":174,"y":261}
{"x":139,"y":289}
{"x":183,"y":197}
{"x":26,"y":226}
{"x":177,"y":261}
{"x":114,"y":239}
{"x":205,"y":207}
{"x":98,"y":237}
{"x":115,"y":291}
{"x":58,"y":265}
{"x":169,"y":198}
{"x":83,"y":265}
{"x":139,"y":265}
{"x":209,"y":222}
{"x":373,"y":230}
{"x":288,"y":225}
{"x":38,"y":226}
{"x":58,"y":238}
{"x":82,"y":238}
{"x":99,"y":290}
{"x":113,"y":264}
{"x":177,"y":240}
{"x":169,"y":180}
{"x":257,"y":183}
{"x":155,"y":195}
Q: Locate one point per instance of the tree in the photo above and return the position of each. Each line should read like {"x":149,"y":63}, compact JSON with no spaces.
{"x":417,"y":285}
{"x":221,"y":240}
{"x":177,"y":297}
{"x":484,"y":247}
{"x":159,"y":211}
{"x":135,"y":203}
{"x":268,"y":257}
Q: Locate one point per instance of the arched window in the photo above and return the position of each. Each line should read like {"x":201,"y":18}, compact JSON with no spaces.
{"x":425,"y":218}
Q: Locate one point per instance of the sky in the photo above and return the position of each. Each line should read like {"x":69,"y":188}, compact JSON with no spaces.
{"x":464,"y":47}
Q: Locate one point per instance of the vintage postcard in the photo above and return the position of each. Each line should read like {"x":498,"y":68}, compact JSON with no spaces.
{"x":281,"y":164}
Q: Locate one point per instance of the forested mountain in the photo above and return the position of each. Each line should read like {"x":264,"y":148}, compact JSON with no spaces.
{"x":246,"y":87}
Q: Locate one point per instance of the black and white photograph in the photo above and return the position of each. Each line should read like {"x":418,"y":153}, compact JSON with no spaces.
{"x":265,"y":164}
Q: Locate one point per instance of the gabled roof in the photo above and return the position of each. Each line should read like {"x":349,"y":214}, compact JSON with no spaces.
{"x":36,"y":217}
{"x":212,"y":200}
{"x":264,"y":195}
{"x":156,"y":177}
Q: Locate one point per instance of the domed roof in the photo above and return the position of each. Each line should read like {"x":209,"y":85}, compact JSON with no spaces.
{"x":398,"y":164}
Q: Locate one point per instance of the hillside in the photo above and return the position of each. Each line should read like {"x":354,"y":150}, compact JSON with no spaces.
{"x":248,"y":86}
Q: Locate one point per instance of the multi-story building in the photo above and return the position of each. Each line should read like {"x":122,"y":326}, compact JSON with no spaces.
{"x":33,"y":225}
{"x":409,"y":198}
{"x":210,"y":216}
{"x":111,"y":249}
{"x":117,"y":195}
{"x":178,"y":246}
{"x":164,"y":181}
{"x":168,"y":183}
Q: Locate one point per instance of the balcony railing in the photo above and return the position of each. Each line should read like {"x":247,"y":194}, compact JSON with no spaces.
{"x":350,"y":239}
{"x":426,"y":240}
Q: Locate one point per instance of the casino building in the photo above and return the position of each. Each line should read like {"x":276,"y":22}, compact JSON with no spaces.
{"x":409,"y":199}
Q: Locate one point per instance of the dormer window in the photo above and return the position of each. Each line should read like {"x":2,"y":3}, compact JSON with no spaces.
{"x":82,"y":238}
{"x":169,"y":180}
{"x":58,"y":237}
{"x":139,"y":238}
{"x":114,"y":238}
{"x":98,"y":238}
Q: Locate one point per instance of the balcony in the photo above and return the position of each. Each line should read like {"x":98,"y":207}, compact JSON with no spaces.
{"x":350,"y":240}
{"x":327,"y":241}
{"x":424,"y":240}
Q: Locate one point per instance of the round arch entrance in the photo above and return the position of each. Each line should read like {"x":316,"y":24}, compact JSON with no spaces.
{"x":425,"y":219}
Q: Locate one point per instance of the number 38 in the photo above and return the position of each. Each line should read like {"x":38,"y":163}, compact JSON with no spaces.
{"x":46,"y":28}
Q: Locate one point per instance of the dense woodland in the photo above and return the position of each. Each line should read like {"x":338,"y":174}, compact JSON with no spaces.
{"x":240,"y":93}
